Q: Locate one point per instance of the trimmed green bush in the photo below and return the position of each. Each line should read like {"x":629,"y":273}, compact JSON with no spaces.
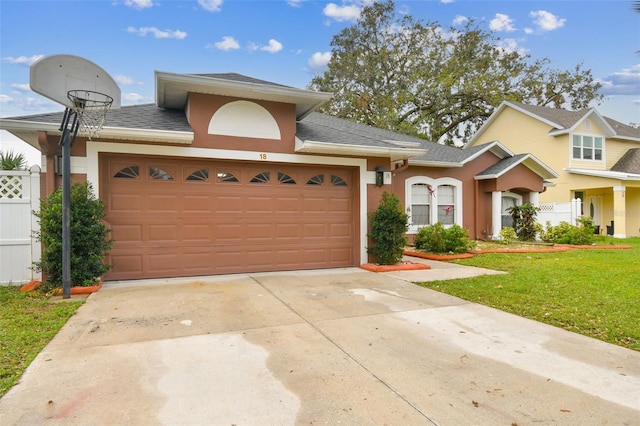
{"x":438,"y":239}
{"x":89,"y":243}
{"x":508,"y":235}
{"x":388,"y":226}
{"x":565,"y":233}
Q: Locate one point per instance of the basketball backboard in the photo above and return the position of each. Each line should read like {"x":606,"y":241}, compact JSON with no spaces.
{"x":54,"y":76}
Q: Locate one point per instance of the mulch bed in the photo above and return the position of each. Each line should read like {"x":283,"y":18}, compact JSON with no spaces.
{"x":404,"y":266}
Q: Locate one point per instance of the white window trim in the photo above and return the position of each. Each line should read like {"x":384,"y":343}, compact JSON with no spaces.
{"x":582,"y":135}
{"x":434,"y":183}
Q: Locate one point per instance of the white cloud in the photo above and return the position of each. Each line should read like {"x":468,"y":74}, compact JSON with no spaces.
{"x":211,"y":5}
{"x":4,"y":99}
{"x":546,"y":21}
{"x":143,"y":31}
{"x":342,"y":13}
{"x":227,"y":43}
{"x":295,"y":3}
{"x":446,"y":1}
{"x":273,"y":47}
{"x":21,"y":87}
{"x":125,"y":80}
{"x":319,"y":60}
{"x":22,"y":60}
{"x":139,"y":4}
{"x":625,"y":82}
{"x":501,"y":22}
{"x":134,"y":98}
{"x":460,"y":20}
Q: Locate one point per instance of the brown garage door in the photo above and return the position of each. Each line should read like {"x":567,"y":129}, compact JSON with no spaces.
{"x":191,"y":217}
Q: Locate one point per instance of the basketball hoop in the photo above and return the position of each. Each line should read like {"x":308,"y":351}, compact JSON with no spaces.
{"x":91,"y":108}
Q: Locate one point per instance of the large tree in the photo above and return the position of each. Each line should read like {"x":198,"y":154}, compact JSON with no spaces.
{"x":419,"y":78}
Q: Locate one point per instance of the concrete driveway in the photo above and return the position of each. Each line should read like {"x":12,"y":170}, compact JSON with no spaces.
{"x":340,"y":346}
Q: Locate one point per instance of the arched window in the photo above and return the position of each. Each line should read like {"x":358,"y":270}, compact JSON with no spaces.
{"x":428,"y":201}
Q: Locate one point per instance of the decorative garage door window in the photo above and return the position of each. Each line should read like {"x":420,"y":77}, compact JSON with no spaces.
{"x":158,"y":173}
{"x":263,"y":177}
{"x":199,"y":175}
{"x":286,"y":179}
{"x":129,"y":172}
{"x":226,"y":176}
{"x":337,"y":181}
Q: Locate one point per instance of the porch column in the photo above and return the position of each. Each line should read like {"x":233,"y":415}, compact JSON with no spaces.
{"x":496,"y":214}
{"x":534,"y":199}
{"x":619,"y":212}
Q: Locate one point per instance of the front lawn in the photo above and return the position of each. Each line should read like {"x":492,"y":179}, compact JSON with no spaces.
{"x":28,"y":321}
{"x":594,"y":292}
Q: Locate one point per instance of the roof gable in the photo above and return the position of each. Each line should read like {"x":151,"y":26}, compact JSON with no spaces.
{"x":562,"y":121}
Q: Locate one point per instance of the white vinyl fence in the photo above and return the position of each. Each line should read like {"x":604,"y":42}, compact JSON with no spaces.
{"x":19,"y":197}
{"x":559,"y":212}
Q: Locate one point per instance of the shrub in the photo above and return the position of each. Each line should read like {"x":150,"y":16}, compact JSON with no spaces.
{"x":565,"y":233}
{"x":388,"y":226}
{"x":524,"y":221}
{"x":438,"y":239}
{"x":89,"y":244}
{"x":12,"y":161}
{"x":508,"y":235}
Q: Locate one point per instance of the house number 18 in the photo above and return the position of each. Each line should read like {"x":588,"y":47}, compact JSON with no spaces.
{"x":263,"y":156}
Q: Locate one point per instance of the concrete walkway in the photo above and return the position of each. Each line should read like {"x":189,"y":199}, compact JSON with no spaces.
{"x":340,"y":346}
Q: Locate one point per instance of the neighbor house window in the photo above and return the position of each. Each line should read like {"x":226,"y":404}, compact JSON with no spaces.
{"x":585,"y":147}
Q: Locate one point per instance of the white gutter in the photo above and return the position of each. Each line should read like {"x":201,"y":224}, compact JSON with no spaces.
{"x":168,"y":136}
{"x":316,"y":147}
{"x":605,"y":174}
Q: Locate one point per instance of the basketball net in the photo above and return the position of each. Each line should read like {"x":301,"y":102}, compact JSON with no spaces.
{"x":91,"y":108}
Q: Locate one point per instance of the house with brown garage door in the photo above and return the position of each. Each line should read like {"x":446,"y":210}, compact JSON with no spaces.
{"x":230,"y":174}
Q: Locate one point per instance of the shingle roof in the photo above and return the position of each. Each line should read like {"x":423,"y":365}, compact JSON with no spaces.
{"x":502,"y":165}
{"x":320,"y":127}
{"x":145,"y":117}
{"x":565,"y":119}
{"x":629,"y":162}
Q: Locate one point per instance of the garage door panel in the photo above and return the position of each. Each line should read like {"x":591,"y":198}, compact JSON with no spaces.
{"x":157,"y":203}
{"x":205,"y":221}
{"x":125,"y":202}
{"x":163,"y":233}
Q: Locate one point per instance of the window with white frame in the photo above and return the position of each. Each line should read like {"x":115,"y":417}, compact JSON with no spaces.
{"x":429,"y":200}
{"x":587,"y":147}
{"x":446,"y":204}
{"x":420,"y":207}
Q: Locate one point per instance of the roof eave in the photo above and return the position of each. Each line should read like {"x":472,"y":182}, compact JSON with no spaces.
{"x":443,"y":164}
{"x":26,"y":128}
{"x":173,"y":89}
{"x":608,"y":174}
{"x":316,"y":147}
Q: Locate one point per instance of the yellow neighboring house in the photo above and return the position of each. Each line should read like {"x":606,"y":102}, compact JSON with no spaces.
{"x":597,"y":159}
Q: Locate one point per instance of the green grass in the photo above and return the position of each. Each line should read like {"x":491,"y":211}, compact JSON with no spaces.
{"x":592,"y":292}
{"x":28,"y":321}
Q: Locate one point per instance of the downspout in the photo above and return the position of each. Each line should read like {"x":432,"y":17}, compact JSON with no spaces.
{"x":403,"y":167}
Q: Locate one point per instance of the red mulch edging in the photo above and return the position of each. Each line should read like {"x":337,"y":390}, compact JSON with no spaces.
{"x":405,"y":266}
{"x":443,"y":257}
{"x":33,"y":284}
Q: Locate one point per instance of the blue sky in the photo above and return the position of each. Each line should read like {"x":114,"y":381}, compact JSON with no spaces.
{"x":288,"y":42}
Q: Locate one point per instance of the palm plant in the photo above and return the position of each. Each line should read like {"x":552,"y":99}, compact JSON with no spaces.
{"x":12,"y":161}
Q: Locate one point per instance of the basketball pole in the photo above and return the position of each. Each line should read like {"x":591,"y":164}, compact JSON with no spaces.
{"x":66,"y":140}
